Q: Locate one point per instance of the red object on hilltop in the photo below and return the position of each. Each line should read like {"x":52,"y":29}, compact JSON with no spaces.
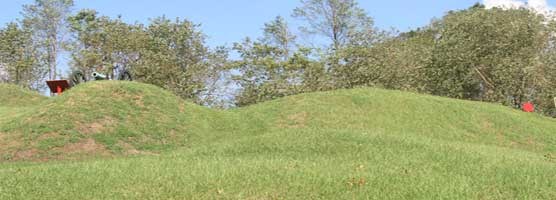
{"x":58,"y":86}
{"x":528,"y":107}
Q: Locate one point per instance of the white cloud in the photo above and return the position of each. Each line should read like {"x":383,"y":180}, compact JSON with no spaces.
{"x":540,"y":6}
{"x":509,"y":4}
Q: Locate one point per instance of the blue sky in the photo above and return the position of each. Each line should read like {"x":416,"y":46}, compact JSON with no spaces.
{"x":228,"y":21}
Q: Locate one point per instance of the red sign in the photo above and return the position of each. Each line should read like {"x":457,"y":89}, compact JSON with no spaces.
{"x":58,"y":86}
{"x":528,"y":107}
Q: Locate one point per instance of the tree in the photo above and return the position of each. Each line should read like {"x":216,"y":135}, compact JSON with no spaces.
{"x":545,"y":75}
{"x":488,"y":54}
{"x":345,"y":25}
{"x":278,"y":33}
{"x":17,"y":57}
{"x":262,"y":68}
{"x":176,"y":58}
{"x":102,"y":43}
{"x":394,"y":63}
{"x":90,"y":40}
{"x":47,"y":20}
{"x":340,"y":21}
{"x":168,"y":53}
{"x":271,"y":67}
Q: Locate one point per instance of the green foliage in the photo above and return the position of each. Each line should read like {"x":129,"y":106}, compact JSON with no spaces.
{"x":166,"y":53}
{"x":271,"y":67}
{"x":345,"y":25}
{"x":18,"y":56}
{"x":545,"y":78}
{"x":175,"y":57}
{"x":101,"y":42}
{"x":394,"y":62}
{"x":495,"y":61}
{"x":494,"y":55}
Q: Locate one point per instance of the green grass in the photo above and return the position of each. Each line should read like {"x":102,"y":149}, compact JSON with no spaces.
{"x":11,"y":95}
{"x":347,"y":144}
{"x":99,"y":119}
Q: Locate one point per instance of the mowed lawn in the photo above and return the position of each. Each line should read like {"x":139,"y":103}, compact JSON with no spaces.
{"x":347,"y":144}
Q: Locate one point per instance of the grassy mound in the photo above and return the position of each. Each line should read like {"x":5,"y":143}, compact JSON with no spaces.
{"x":101,"y":119}
{"x":377,"y":111}
{"x":347,"y":144}
{"x":12,"y":95}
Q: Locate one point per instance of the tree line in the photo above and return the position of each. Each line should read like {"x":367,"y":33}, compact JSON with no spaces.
{"x":494,"y":55}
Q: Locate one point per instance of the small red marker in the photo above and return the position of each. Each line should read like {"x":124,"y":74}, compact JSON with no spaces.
{"x":528,"y":107}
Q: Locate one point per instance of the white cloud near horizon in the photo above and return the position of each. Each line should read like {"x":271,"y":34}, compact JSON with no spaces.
{"x":509,"y":4}
{"x":539,"y":6}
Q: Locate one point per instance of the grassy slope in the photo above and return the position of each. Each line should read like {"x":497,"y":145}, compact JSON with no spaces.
{"x":11,"y":95}
{"x":15,"y":100}
{"x":349,"y":144}
{"x":101,"y":119}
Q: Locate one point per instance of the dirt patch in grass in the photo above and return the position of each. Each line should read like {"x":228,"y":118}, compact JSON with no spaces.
{"x":139,"y":101}
{"x":7,"y":142}
{"x":86,"y":146}
{"x":29,"y":154}
{"x":531,"y":143}
{"x":4,"y":143}
{"x":9,"y":146}
{"x":181,"y":107}
{"x":71,"y":102}
{"x":298,"y":120}
{"x":129,"y":149}
{"x":47,"y":136}
{"x":487,"y":125}
{"x":99,"y":126}
{"x":500,"y":138}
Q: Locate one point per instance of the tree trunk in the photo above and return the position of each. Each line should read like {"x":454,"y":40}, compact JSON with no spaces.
{"x":53,"y":52}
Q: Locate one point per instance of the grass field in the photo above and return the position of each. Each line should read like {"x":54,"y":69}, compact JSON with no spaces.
{"x":111,"y":140}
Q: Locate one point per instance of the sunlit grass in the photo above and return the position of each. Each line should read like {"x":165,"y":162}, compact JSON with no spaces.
{"x":347,"y":144}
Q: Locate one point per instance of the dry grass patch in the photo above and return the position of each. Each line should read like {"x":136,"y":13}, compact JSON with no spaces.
{"x":297,"y":120}
{"x":86,"y":146}
{"x":96,"y":127}
{"x":29,"y":154}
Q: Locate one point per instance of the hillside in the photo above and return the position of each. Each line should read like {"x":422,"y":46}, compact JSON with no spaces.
{"x":11,"y":95}
{"x":15,"y":101}
{"x":346,"y":144}
{"x":101,"y":119}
